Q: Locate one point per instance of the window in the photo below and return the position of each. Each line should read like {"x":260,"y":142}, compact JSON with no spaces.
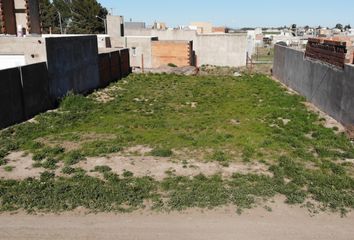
{"x":134,"y":51}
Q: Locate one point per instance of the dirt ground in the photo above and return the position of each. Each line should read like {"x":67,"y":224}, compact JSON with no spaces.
{"x":283,"y":222}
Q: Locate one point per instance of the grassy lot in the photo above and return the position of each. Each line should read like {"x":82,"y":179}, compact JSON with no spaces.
{"x":250,"y":119}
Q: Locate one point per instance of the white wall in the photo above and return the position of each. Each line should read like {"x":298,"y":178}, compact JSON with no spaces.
{"x":11,"y":61}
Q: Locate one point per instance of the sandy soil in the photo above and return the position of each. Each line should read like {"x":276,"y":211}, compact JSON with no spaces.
{"x":284,"y":222}
{"x":137,"y":161}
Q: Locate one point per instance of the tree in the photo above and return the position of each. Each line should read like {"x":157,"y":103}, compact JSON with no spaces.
{"x":63,"y":10}
{"x":347,"y":27}
{"x":339,"y":26}
{"x":1,"y":25}
{"x":49,"y":17}
{"x":84,"y":20}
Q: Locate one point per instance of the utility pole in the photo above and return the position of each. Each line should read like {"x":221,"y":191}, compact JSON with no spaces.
{"x":104,"y":22}
{"x":61,"y":26}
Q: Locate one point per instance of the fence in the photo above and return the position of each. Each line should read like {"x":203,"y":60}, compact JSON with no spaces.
{"x":329,"y":88}
{"x":28,"y":90}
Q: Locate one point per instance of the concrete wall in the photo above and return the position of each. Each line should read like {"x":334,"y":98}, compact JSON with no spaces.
{"x":140,"y":46}
{"x":116,"y":65}
{"x":221,"y":49}
{"x":179,"y":53}
{"x":24,"y":92}
{"x":11,"y":102}
{"x":328,"y":88}
{"x":35,"y":89}
{"x":115,"y":25}
{"x":125,"y":62}
{"x":105,"y":69}
{"x":33,"y":48}
{"x":214,"y":49}
{"x":72,"y":65}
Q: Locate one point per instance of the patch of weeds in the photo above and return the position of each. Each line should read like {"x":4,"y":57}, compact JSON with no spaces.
{"x":99,"y":148}
{"x":102,"y":169}
{"x":47,"y":152}
{"x":70,"y":170}
{"x":3,"y":162}
{"x":197,"y":192}
{"x":160,"y":152}
{"x":9,"y":168}
{"x":50,"y":164}
{"x":267,"y":208}
{"x":65,"y":194}
{"x":37,"y":164}
{"x":73,"y":157}
{"x":127,"y":174}
{"x":220,"y":156}
{"x":247,"y":153}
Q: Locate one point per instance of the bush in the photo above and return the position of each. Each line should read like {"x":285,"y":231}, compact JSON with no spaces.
{"x":158,"y":152}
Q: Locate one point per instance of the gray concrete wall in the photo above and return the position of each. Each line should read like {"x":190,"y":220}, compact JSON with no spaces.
{"x":214,"y":49}
{"x":221,"y":50}
{"x":33,"y":48}
{"x":328,"y":88}
{"x":115,"y":25}
{"x":72,"y":65}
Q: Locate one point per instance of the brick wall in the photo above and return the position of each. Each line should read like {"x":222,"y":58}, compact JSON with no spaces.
{"x":179,"y":53}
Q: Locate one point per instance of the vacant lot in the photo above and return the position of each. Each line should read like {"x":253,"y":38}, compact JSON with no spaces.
{"x":170,"y":142}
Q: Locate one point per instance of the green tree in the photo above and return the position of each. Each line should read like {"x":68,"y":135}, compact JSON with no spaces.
{"x":347,"y":27}
{"x":1,"y":25}
{"x":84,"y":18}
{"x":64,"y":13}
{"x":49,"y":17}
{"x":339,"y":26}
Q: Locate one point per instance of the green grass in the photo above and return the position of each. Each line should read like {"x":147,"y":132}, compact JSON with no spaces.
{"x":306,"y":159}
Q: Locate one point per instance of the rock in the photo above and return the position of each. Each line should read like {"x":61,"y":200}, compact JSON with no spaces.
{"x":237,"y":74}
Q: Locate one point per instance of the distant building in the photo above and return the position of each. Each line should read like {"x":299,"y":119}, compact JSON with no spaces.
{"x":220,"y":30}
{"x":202,"y":27}
{"x":160,"y":26}
{"x":134,"y":25}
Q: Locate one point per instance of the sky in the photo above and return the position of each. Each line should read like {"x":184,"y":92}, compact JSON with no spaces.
{"x":236,"y":13}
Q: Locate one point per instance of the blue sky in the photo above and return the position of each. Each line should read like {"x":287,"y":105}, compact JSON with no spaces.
{"x":236,"y":13}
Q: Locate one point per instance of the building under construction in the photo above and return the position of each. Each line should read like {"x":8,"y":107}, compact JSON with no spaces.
{"x":20,"y":17}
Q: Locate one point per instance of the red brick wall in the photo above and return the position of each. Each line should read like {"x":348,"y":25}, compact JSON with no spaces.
{"x":176,"y":52}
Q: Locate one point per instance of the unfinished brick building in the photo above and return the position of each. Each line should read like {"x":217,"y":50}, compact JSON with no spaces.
{"x":20,"y":17}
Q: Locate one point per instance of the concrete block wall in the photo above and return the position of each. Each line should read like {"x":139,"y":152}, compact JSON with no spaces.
{"x":116,"y":65}
{"x":35,"y":89}
{"x":213,"y":49}
{"x":111,"y":66}
{"x":125,"y":62}
{"x":179,"y":53}
{"x":105,"y":69}
{"x":11,"y":102}
{"x":330,"y":89}
{"x":72,"y":65}
{"x":33,"y":48}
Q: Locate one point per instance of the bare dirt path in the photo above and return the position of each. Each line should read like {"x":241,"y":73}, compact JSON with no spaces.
{"x":283,"y":222}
